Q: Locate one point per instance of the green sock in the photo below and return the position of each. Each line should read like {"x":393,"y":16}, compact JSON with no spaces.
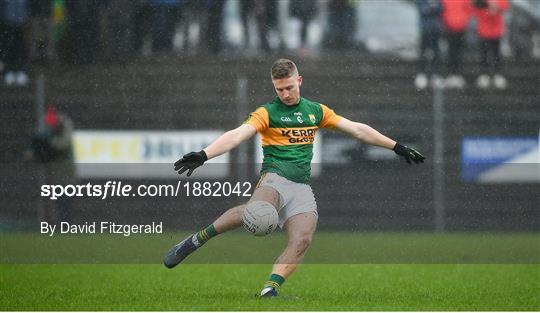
{"x":274,"y":281}
{"x":207,"y":233}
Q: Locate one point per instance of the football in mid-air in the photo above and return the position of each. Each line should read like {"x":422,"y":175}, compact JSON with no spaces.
{"x":260,"y":218}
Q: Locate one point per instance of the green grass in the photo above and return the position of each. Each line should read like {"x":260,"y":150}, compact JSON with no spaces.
{"x":240,"y":248}
{"x":343,"y":271}
{"x":233,"y":287}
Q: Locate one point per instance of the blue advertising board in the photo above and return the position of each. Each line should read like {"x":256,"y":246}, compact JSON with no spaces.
{"x":500,"y":159}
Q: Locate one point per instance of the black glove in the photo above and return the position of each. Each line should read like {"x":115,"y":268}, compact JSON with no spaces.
{"x":190,"y":162}
{"x":408,"y":153}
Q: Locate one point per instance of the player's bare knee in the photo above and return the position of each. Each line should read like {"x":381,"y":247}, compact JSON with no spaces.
{"x":239,"y":210}
{"x":301,"y":244}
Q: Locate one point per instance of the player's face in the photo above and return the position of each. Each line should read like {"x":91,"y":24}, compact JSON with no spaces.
{"x":288,"y":89}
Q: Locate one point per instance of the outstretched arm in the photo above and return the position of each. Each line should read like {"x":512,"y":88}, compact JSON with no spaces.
{"x":223,"y":144}
{"x":367,"y":134}
{"x":229,"y":140}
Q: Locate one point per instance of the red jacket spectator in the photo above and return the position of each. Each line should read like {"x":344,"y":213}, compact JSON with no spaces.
{"x":491,"y":20}
{"x":456,"y":14}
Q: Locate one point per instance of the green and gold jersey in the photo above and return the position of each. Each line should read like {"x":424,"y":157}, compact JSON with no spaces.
{"x":288,"y":133}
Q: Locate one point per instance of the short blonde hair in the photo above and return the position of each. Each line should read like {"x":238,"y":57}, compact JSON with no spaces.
{"x":283,"y":68}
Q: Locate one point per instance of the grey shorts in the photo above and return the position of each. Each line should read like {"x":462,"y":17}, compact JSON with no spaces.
{"x":294,"y":198}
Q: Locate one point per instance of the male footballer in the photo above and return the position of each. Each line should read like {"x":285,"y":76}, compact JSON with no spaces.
{"x":287,"y":125}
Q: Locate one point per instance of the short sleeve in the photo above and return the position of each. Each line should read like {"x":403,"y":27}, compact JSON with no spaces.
{"x":259,"y":119}
{"x":329,"y":117}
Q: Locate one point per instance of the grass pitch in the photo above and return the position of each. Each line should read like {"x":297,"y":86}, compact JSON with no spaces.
{"x":427,"y":273}
{"x":233,"y":287}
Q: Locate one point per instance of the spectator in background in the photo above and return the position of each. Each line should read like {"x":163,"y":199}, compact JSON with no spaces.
{"x":214,"y":25}
{"x":141,"y":25}
{"x":271,"y":22}
{"x":41,"y":43}
{"x":192,"y":12}
{"x":52,"y":146}
{"x":264,"y":12}
{"x":59,"y":33}
{"x":255,"y":9}
{"x":82,"y":31}
{"x":120,"y":15}
{"x":456,"y":16}
{"x":430,"y":28}
{"x":341,"y":23}
{"x":305,"y":11}
{"x":490,"y":29}
{"x":14,"y":16}
{"x":164,"y":16}
{"x":53,"y":141}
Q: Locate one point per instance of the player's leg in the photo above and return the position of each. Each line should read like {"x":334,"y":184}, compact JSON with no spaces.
{"x":229,"y":220}
{"x":300,"y":229}
{"x":232,"y":219}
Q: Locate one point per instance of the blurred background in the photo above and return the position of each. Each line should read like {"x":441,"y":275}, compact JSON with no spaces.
{"x":90,"y":86}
